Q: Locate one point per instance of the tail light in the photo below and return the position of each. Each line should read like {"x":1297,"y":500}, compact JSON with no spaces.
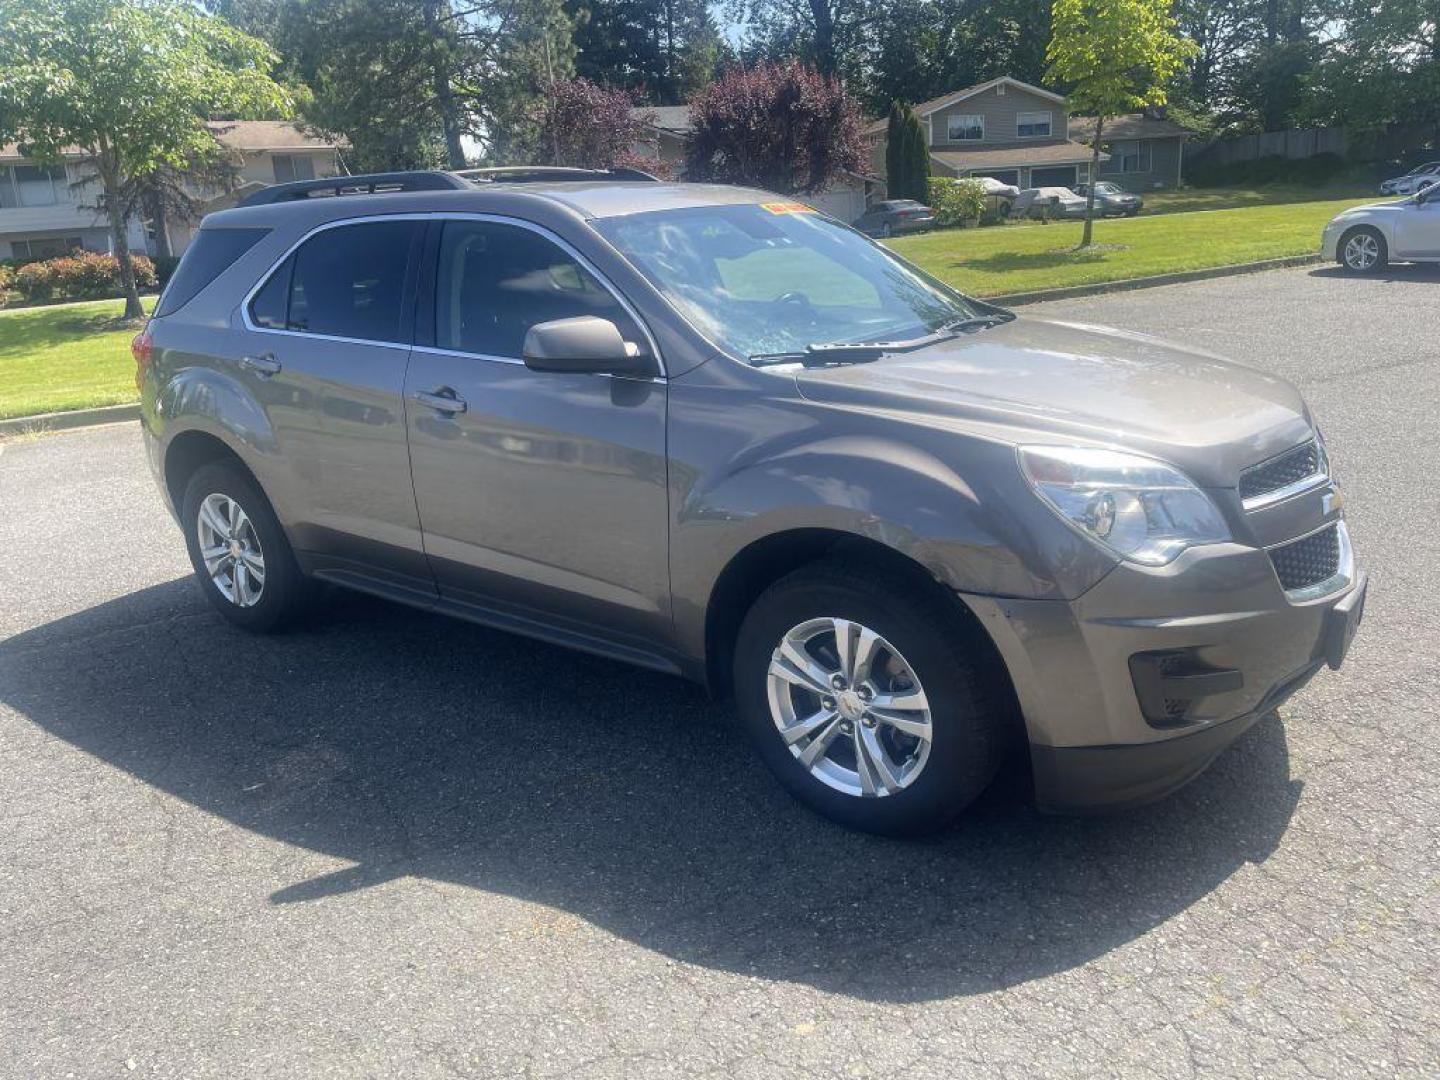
{"x":142,"y":347}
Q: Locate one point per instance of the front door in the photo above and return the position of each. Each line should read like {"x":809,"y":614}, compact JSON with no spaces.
{"x":540,"y":494}
{"x":1417,"y":230}
{"x":326,"y":344}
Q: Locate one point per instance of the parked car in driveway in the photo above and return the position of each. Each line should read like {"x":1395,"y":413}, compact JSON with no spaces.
{"x":894,"y":217}
{"x":1417,"y":179}
{"x":1058,"y":202}
{"x":1112,"y":200}
{"x":1001,"y":195}
{"x":708,"y":431}
{"x":1364,"y":239}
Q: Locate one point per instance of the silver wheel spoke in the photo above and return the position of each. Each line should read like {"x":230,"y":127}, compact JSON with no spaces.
{"x":820,"y":744}
{"x":254,"y":564}
{"x":876,"y":775}
{"x":795,"y":732}
{"x":212,"y":518}
{"x":909,"y":725}
{"x":795,"y":666}
{"x":902,"y":701}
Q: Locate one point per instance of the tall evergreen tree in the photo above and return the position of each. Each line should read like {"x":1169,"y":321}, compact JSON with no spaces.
{"x":664,"y":49}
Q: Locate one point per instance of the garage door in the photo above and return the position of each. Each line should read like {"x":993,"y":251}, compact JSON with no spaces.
{"x":1055,"y":176}
{"x":843,"y":203}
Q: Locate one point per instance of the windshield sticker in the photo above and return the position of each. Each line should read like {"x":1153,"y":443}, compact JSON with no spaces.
{"x":787,"y":208}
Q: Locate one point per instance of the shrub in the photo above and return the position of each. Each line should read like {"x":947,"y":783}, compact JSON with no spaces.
{"x":84,"y":275}
{"x":7,"y":282}
{"x":35,"y":281}
{"x":956,"y":201}
{"x":1316,"y":171}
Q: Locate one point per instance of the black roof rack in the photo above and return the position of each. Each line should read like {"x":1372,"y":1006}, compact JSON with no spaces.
{"x":539,"y":174}
{"x":368,"y":184}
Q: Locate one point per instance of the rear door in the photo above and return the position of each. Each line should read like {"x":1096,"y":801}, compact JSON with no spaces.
{"x":540,"y":493}
{"x":328,"y":340}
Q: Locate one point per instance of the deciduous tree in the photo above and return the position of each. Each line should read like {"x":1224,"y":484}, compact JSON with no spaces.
{"x":784,"y":127}
{"x":128,"y":82}
{"x":1115,"y":56}
{"x":590,"y":126}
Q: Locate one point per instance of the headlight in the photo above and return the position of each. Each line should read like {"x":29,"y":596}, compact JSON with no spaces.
{"x":1140,"y":508}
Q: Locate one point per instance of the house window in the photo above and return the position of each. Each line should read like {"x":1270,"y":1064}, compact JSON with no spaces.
{"x":1130,"y":156}
{"x":1032,"y":125}
{"x":45,"y":247}
{"x":965,"y":128}
{"x":290,"y":167}
{"x":32,"y":185}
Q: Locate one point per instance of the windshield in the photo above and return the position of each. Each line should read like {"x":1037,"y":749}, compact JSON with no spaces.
{"x":1107,"y":189}
{"x":760,"y":279}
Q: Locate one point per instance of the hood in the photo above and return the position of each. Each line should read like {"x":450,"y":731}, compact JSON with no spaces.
{"x":1034,"y":380}
{"x":1393,"y":206}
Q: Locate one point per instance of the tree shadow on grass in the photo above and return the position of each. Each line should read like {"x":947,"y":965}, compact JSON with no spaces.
{"x":412,"y":745}
{"x":1002,"y":262}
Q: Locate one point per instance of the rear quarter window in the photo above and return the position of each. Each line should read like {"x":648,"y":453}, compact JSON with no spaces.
{"x":211,"y":253}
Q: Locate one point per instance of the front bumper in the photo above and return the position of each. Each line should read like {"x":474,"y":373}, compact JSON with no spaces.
{"x":1221,"y":607}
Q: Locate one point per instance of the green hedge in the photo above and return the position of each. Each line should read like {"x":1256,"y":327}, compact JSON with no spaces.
{"x":1315,"y":171}
{"x":956,"y":201}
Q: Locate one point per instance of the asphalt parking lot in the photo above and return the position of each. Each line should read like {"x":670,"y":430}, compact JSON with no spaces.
{"x":387,"y":844}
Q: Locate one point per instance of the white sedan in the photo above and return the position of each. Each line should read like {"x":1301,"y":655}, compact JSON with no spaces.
{"x":1364,"y":238}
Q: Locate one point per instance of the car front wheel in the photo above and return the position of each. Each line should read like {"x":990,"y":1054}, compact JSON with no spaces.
{"x":1363,"y":251}
{"x":869,"y":699}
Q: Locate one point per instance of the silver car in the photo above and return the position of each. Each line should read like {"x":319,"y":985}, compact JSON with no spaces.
{"x":1051,"y":202}
{"x":711,"y":432}
{"x":1417,"y":179}
{"x":1364,"y":239}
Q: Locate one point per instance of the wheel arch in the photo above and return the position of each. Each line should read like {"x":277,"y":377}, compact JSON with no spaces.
{"x":765,"y":561}
{"x":191,"y":450}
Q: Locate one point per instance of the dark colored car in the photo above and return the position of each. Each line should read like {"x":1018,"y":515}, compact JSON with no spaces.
{"x":709,"y":431}
{"x":1111,"y":200}
{"x":895,"y":216}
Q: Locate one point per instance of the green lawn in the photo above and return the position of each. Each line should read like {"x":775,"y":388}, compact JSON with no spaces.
{"x":1009,"y":259}
{"x":68,"y":356}
{"x":1187,"y":199}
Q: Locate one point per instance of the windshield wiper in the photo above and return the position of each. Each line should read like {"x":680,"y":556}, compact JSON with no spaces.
{"x":978,"y":322}
{"x":820,"y":354}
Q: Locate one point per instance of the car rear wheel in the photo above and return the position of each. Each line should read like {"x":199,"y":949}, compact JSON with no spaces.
{"x":886,"y":231}
{"x":1363,"y":251}
{"x":869,"y":699}
{"x":238,"y":550}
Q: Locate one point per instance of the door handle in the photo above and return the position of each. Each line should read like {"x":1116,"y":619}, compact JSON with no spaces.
{"x":260,"y":365}
{"x":443,"y":400}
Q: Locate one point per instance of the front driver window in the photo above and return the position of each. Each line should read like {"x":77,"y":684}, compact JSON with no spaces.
{"x":495,"y":281}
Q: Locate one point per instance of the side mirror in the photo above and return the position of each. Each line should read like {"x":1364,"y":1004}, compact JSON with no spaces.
{"x":585,"y":343}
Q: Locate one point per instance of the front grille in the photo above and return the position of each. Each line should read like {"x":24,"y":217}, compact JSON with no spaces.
{"x":1308,"y":561}
{"x":1294,"y":465}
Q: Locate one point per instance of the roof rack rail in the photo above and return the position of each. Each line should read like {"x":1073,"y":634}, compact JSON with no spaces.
{"x":367,"y":184}
{"x":539,"y":174}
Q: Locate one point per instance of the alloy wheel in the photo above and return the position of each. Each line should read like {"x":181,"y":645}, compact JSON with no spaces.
{"x":1362,"y":251}
{"x":849,"y":707}
{"x":231,"y":550}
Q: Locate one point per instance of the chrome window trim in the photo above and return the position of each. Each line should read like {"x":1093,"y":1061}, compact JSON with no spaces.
{"x":1345,"y":565}
{"x":445,"y":215}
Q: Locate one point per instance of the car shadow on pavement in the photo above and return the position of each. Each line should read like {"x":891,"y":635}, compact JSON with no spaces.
{"x":412,"y":745}
{"x":1392,"y":273}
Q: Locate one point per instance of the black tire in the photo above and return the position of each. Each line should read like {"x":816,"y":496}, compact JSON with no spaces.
{"x":285,"y":590}
{"x":1343,"y":255}
{"x":1131,"y":213}
{"x":1006,"y":209}
{"x":972,"y":719}
{"x":886,"y":231}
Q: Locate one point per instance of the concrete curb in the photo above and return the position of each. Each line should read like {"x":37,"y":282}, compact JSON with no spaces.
{"x":1041,"y":295}
{"x":61,"y":421}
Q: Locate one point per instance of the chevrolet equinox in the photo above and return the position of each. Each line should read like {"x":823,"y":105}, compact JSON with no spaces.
{"x":713,"y":432}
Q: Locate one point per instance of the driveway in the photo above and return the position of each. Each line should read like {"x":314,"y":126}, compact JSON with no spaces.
{"x":386,"y":844}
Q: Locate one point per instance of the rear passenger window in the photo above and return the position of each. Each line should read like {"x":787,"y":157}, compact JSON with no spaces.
{"x":496,"y":281}
{"x":344,"y":282}
{"x":212,"y":252}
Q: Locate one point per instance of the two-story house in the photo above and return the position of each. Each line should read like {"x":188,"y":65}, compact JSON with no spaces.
{"x":48,"y":210}
{"x":1024,"y":135}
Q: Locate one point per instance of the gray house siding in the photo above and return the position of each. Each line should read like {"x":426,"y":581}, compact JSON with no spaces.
{"x":1165,"y":159}
{"x":1001,"y":111}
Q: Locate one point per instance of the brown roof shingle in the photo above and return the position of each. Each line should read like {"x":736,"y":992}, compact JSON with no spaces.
{"x":1133,"y":126}
{"x":1010,"y":157}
